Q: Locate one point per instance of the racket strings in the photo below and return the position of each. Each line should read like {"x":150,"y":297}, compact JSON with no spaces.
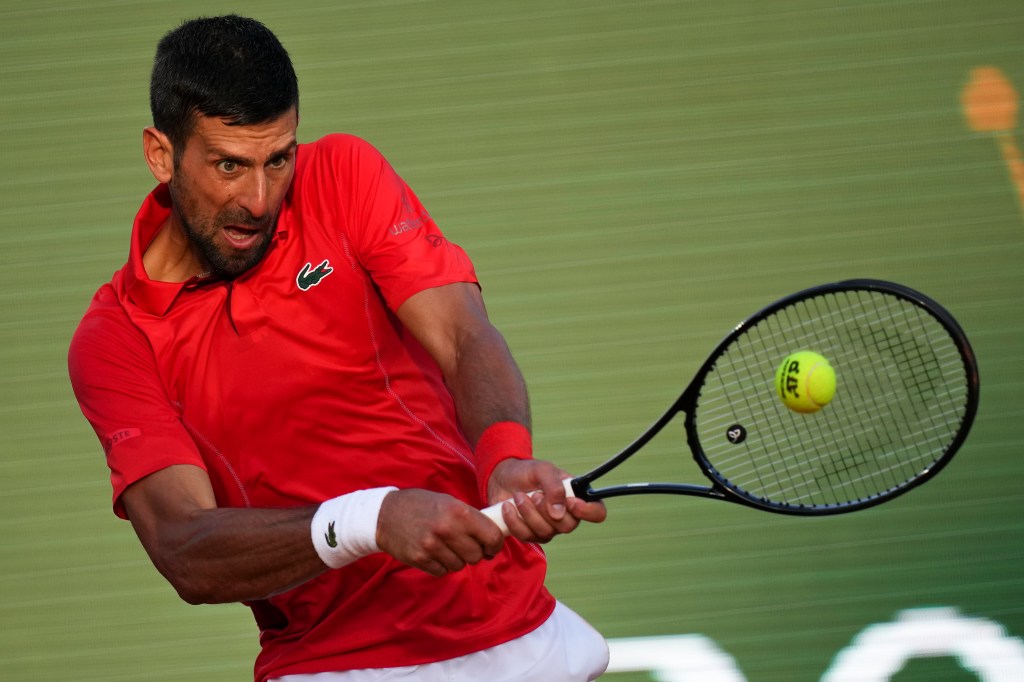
{"x":902,"y":393}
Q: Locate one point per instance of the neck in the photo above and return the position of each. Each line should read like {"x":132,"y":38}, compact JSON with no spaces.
{"x":171,"y":257}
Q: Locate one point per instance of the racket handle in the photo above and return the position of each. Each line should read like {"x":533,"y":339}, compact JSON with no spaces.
{"x":494,"y":511}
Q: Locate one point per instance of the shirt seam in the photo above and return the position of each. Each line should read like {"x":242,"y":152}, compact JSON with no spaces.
{"x":384,"y":371}
{"x":216,"y":451}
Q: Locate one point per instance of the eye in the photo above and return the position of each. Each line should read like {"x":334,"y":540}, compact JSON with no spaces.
{"x":227,"y":166}
{"x":278,"y":162}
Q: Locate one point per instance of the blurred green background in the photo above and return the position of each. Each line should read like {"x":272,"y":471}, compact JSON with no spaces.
{"x":631,"y":179}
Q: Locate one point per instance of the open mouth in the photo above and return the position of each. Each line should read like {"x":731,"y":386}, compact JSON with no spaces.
{"x":241,"y":237}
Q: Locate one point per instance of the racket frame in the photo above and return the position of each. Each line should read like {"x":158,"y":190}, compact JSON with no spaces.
{"x":720,"y":487}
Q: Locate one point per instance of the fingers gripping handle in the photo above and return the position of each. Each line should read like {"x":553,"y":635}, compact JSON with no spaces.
{"x":494,"y":511}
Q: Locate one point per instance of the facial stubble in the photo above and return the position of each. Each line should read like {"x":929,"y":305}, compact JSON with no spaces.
{"x":223,"y":262}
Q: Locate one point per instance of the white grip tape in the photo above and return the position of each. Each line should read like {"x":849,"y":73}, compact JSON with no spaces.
{"x":345,"y":528}
{"x":494,"y":511}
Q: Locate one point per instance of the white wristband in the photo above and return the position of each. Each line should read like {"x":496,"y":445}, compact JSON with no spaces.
{"x":345,"y":528}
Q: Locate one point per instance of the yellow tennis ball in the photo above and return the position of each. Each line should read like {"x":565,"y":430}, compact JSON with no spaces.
{"x":805,"y":382}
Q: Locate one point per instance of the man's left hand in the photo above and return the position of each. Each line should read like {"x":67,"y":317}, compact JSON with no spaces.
{"x":539,"y":508}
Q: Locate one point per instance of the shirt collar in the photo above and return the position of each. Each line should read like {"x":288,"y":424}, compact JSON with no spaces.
{"x":157,"y":298}
{"x":153,"y":297}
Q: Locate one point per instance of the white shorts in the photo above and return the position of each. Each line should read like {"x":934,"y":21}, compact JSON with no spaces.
{"x":565,"y":648}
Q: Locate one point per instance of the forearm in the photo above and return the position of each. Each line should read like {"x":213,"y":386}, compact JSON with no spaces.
{"x":211,"y":554}
{"x":491,"y":401}
{"x":229,"y":555}
{"x":486,"y":384}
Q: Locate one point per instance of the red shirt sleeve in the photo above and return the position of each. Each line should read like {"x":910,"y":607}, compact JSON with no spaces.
{"x":394,"y":237}
{"x":114,"y":376}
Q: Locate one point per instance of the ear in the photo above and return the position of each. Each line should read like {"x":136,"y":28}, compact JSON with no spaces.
{"x":159,"y":153}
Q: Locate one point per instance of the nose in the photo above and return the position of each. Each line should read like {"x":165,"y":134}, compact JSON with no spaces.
{"x":253,"y":197}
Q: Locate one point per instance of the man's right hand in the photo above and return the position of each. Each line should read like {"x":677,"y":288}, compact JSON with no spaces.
{"x":434,"y":532}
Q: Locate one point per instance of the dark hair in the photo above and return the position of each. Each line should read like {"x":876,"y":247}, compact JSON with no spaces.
{"x":230,"y":67}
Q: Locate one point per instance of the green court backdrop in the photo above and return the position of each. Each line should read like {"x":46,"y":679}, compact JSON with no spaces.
{"x":631,"y":180}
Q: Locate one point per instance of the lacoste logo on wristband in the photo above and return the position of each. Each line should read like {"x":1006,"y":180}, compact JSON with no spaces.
{"x":309,"y":277}
{"x":332,"y":541}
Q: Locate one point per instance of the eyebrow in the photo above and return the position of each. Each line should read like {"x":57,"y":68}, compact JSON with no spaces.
{"x":218,"y":153}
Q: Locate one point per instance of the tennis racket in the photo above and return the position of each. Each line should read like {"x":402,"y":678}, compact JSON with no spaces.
{"x":906,"y":396}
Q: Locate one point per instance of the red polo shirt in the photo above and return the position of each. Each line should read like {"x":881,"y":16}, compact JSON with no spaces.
{"x":295,"y":383}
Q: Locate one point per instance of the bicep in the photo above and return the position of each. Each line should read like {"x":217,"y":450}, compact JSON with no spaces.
{"x":443,"y":319}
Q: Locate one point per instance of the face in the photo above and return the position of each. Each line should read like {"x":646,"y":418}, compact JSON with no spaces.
{"x":228,"y":186}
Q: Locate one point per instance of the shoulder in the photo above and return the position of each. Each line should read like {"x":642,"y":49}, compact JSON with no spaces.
{"x":339,"y":146}
{"x":338,"y":172}
{"x":105,"y":334}
{"x":104,"y":309}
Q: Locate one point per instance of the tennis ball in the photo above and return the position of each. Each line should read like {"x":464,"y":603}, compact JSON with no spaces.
{"x":805,"y":382}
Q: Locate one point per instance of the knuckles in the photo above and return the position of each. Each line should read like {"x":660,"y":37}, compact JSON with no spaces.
{"x":436,"y":532}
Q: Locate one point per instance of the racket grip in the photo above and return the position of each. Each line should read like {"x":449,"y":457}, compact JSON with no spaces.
{"x":494,"y":511}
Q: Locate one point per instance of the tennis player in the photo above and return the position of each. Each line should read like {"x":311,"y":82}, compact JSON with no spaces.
{"x":303,"y":404}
